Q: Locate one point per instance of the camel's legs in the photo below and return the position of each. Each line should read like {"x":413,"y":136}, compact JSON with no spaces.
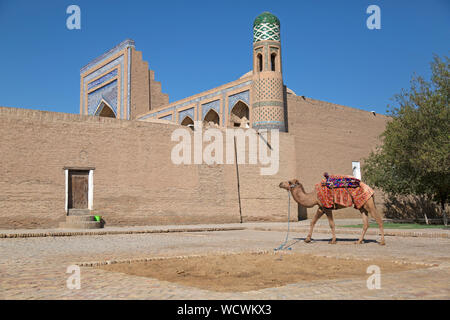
{"x":365,"y":226}
{"x":316,"y":217}
{"x":329,"y":214}
{"x":370,"y":207}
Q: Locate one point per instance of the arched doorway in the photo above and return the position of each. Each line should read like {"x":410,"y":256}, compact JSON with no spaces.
{"x":104,"y":110}
{"x":211,"y":116}
{"x":239,"y":116}
{"x":188,"y":122}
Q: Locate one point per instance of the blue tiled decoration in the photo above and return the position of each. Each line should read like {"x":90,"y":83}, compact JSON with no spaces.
{"x":224,"y":96}
{"x":210,"y":105}
{"x":129,"y":81}
{"x":184,"y":113}
{"x":102,"y":79}
{"x":124,"y":44}
{"x":107,"y":93}
{"x":93,"y":99}
{"x":168,"y":117}
{"x":125,"y":91}
{"x":196,"y":100}
{"x":243,"y":96}
{"x":105,"y":68}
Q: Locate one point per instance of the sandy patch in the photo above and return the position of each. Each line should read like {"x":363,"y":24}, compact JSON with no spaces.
{"x":250,"y":271}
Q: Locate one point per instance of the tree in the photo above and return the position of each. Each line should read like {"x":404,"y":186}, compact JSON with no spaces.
{"x":414,"y":158}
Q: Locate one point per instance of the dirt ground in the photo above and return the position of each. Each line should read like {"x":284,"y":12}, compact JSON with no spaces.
{"x":250,"y":271}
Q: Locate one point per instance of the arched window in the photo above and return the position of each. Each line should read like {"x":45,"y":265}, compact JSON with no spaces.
{"x":211,"y":116}
{"x":273,"y":60}
{"x":239,"y":116}
{"x":259,"y":62}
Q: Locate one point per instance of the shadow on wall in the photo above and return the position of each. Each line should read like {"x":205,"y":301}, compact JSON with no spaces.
{"x":411,"y":207}
{"x":286,"y":115}
{"x":302,"y":213}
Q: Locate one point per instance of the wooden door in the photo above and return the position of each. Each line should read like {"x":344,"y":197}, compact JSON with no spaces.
{"x":78,"y":189}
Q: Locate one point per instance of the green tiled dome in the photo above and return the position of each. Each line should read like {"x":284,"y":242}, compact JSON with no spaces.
{"x":266,"y":27}
{"x":266,"y":17}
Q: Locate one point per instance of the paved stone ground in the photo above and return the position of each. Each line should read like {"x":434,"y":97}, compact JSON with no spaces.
{"x":4,"y":233}
{"x":35,"y":268}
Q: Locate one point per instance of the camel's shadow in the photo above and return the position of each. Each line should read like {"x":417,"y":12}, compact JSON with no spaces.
{"x":329,"y":239}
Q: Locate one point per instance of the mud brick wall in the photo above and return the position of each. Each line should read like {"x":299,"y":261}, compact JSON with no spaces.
{"x":146,"y":93}
{"x":140,"y":90}
{"x":328,"y":137}
{"x":158,"y":98}
{"x":135,"y":181}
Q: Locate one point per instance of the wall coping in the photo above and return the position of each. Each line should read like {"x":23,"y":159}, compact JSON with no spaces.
{"x":330,"y":105}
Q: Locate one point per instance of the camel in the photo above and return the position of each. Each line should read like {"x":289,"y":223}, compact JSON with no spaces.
{"x":310,"y":200}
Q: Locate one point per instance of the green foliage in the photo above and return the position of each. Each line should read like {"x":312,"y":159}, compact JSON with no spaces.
{"x":414,"y":158}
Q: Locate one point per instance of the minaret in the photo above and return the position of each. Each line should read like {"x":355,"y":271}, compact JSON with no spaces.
{"x":268,"y":106}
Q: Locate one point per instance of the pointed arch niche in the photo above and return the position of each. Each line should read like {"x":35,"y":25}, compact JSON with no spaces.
{"x":211,"y":116}
{"x":239,"y":115}
{"x":105,"y":110}
{"x":188,"y":122}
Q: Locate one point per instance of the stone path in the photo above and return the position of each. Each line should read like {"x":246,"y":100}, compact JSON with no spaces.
{"x":35,"y":267}
{"x":300,"y":226}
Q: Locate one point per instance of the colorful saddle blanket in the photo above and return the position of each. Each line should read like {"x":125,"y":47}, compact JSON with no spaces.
{"x":345,"y":195}
{"x":340,"y":181}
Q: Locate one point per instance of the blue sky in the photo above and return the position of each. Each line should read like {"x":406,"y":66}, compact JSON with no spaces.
{"x":328,"y":52}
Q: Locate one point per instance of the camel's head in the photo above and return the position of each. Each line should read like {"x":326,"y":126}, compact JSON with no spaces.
{"x":288,"y":185}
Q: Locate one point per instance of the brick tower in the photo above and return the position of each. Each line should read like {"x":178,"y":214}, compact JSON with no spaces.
{"x":268,"y":105}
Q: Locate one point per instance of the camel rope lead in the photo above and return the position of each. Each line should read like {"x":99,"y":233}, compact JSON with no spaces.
{"x":282,"y":246}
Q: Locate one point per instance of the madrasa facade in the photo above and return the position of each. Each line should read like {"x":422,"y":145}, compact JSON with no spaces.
{"x":119,"y":84}
{"x":113,"y":159}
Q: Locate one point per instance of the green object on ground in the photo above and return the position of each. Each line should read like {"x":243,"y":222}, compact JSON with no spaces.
{"x":399,"y":226}
{"x":98,"y":218}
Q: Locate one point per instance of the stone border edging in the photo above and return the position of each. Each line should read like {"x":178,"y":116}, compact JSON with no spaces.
{"x":114,"y":232}
{"x":430,"y":234}
{"x":397,"y":233}
{"x":107,"y":262}
{"x":224,"y":253}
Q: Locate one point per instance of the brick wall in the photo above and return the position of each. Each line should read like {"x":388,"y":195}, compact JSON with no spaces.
{"x":158,"y":98}
{"x":140,"y":89}
{"x":135,"y":182}
{"x":146,"y":93}
{"x":328,"y":137}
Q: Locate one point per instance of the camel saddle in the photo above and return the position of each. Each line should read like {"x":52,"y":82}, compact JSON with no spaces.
{"x":333,"y":182}
{"x":342,"y":190}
